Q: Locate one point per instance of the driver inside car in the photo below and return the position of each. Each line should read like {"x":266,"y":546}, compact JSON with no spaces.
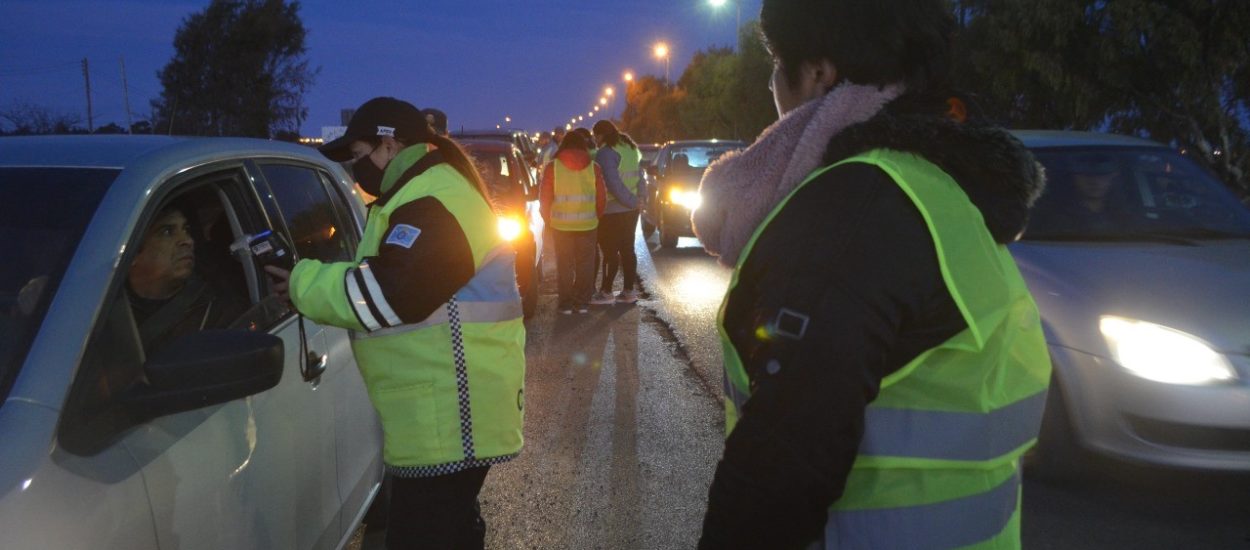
{"x":167,"y":296}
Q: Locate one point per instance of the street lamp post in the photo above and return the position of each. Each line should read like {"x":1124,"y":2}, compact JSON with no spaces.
{"x":628,"y":77}
{"x":661,"y":51}
{"x":738,"y":26}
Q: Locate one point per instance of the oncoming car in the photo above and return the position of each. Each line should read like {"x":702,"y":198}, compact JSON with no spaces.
{"x":679,"y":165}
{"x":136,"y":421}
{"x":1139,"y":261}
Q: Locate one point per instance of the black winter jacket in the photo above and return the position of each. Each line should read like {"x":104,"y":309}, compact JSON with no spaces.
{"x":850,"y":252}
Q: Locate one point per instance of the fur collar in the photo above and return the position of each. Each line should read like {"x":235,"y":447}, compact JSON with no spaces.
{"x":999,"y":175}
{"x":742,"y":187}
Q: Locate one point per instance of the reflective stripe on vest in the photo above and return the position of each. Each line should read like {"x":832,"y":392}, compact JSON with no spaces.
{"x":948,"y":524}
{"x":491,"y":296}
{"x":943,"y":435}
{"x":574,"y":207}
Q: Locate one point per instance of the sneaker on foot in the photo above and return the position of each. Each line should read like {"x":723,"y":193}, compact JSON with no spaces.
{"x":566,"y":311}
{"x":583,"y":309}
{"x":627,"y":296}
{"x":601,"y":298}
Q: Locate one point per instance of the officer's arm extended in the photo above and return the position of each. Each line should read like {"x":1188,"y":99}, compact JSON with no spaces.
{"x":423,"y":259}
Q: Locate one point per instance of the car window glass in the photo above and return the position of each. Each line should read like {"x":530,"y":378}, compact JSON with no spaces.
{"x":1100,"y":193}
{"x":180,"y":277}
{"x":38,"y":237}
{"x":309,"y":213}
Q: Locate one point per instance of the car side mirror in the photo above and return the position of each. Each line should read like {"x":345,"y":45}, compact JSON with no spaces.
{"x":207,"y":368}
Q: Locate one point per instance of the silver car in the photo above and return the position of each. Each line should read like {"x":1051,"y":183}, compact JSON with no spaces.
{"x":249,"y":427}
{"x":1139,"y":261}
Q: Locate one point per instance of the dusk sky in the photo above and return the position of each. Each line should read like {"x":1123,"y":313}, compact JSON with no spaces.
{"x":540,"y":61}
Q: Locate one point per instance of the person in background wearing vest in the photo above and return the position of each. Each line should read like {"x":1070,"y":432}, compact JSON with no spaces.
{"x":549,"y":150}
{"x":619,"y":158}
{"x":572,"y":199}
{"x":885,"y":367}
{"x":435,"y":315}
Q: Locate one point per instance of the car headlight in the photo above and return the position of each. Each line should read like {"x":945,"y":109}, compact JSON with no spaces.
{"x":1162,"y":354}
{"x":510,"y":228}
{"x":689,"y":199}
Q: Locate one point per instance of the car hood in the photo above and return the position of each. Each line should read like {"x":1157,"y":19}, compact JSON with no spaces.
{"x":1203,"y":290}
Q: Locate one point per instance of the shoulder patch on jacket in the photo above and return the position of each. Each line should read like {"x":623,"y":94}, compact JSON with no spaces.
{"x":403,"y":235}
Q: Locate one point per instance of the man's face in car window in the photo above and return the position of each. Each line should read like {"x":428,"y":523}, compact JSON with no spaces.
{"x":166,"y":258}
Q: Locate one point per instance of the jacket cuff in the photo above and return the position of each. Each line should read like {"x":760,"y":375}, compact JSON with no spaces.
{"x":318,"y":291}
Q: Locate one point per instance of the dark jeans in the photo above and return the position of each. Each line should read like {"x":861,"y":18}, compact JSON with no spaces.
{"x":438,"y":512}
{"x":616,"y":239}
{"x":575,"y":266}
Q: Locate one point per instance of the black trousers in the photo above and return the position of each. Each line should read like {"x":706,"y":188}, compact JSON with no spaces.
{"x":575,"y":266}
{"x":616,"y":240}
{"x":437,"y":513}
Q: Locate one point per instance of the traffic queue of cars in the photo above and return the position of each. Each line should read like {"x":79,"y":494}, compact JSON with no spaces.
{"x":254,"y":433}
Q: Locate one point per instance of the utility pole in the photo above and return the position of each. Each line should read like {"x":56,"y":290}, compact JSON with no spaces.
{"x":126,"y":97}
{"x":86,"y":75}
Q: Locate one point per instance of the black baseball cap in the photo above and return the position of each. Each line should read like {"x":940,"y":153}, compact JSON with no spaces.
{"x":380,"y":116}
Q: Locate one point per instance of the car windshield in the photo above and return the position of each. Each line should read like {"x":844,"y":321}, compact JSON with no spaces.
{"x":697,"y":156}
{"x":500,"y":172}
{"x":1127,"y":194}
{"x":38,"y":235}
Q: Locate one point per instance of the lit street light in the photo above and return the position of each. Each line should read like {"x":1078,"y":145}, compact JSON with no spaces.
{"x":661,"y":52}
{"x":628,"y":76}
{"x":716,"y":4}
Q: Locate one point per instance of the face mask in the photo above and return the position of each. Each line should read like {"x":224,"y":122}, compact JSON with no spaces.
{"x":368,"y":175}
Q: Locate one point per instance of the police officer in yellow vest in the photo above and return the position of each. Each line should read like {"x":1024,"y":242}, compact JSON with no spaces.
{"x":432,"y":303}
{"x":885,"y":367}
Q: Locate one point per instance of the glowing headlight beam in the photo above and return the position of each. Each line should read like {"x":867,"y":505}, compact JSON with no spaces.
{"x":687,"y":198}
{"x":510,"y":228}
{"x":1163,"y":354}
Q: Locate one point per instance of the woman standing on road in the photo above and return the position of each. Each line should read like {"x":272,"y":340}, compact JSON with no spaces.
{"x":885,"y":364}
{"x":432,"y":301}
{"x":571,"y":200}
{"x":619,"y":158}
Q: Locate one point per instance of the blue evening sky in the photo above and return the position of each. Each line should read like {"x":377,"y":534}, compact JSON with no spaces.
{"x":538,"y":61}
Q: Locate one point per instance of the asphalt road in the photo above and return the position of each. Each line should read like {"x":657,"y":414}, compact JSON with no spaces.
{"x":624,"y":424}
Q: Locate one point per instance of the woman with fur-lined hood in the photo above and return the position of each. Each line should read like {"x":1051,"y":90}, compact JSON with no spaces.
{"x":884,"y":364}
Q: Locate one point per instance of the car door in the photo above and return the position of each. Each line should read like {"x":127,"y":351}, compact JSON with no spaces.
{"x":318,"y":219}
{"x":319,"y":222}
{"x":257,"y":472}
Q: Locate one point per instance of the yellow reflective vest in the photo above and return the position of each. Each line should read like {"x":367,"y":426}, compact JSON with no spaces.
{"x":938,"y":463}
{"x":450,"y":388}
{"x":631,"y":159}
{"x":573,"y":208}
